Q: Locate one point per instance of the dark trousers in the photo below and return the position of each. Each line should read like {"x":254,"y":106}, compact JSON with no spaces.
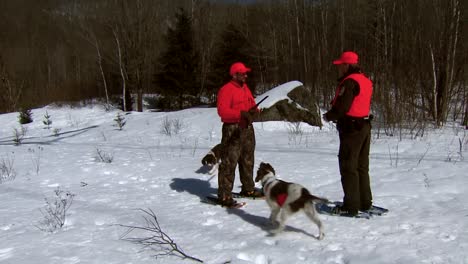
{"x":238,"y":147}
{"x":354,"y":167}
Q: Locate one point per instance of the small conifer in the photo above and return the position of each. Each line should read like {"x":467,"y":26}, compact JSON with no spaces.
{"x":25,"y":116}
{"x":47,"y":121}
{"x":120,"y":120}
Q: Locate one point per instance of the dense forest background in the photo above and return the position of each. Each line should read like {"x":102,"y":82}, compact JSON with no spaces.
{"x":416,"y":51}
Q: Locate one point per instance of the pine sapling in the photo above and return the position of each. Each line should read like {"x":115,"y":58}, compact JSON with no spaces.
{"x":47,"y":121}
{"x":18,"y":135}
{"x":25,"y":116}
{"x":56,"y":131}
{"x":120,"y":120}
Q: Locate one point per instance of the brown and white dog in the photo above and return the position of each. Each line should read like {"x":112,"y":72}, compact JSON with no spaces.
{"x":287,"y":198}
{"x":213,"y":159}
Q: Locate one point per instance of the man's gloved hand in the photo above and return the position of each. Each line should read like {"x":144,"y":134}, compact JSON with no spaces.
{"x":247,"y":118}
{"x":329,"y":117}
{"x":324,"y":116}
{"x":253,"y":109}
{"x":254,"y":113}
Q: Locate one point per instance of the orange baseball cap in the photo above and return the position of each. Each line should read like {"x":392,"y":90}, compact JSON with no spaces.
{"x":348,"y":57}
{"x":238,"y":67}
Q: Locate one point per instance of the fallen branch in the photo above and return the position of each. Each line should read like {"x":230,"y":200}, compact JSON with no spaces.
{"x":157,"y":240}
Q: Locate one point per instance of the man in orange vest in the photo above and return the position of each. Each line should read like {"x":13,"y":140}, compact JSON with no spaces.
{"x":350,"y":111}
{"x":237,"y":109}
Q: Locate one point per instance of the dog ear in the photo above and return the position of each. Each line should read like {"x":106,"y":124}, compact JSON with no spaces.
{"x":270,"y":168}
{"x":209,"y":159}
{"x":260,"y":175}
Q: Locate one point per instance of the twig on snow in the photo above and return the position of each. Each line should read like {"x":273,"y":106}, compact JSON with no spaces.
{"x":157,"y":239}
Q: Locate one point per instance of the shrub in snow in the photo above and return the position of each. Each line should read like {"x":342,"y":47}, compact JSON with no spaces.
{"x":171,"y":126}
{"x":103,"y":156}
{"x":7,"y":172}
{"x":18,"y":135}
{"x":56,"y":131}
{"x":55,"y":211}
{"x":36,"y":158}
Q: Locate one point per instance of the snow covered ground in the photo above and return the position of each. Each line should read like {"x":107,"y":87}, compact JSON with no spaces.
{"x":422,"y":181}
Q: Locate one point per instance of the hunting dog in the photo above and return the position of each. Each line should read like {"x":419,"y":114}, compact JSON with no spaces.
{"x":285,"y":199}
{"x":213,"y":159}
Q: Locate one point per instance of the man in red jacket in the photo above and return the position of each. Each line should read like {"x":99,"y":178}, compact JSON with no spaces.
{"x":350,"y":110}
{"x":236,"y":107}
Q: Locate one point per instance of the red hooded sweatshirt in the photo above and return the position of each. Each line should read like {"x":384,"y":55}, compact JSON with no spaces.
{"x":232,"y":99}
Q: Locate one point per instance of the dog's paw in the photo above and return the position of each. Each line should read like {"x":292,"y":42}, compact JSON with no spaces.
{"x":214,"y":169}
{"x":321,"y":236}
{"x":275,"y":232}
{"x":271,"y":223}
{"x":278,"y":230}
{"x":267,"y":225}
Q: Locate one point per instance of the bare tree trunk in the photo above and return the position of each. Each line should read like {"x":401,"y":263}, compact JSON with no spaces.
{"x":434,"y":87}
{"x":139,"y":92}
{"x":298,"y":36}
{"x":451,"y":54}
{"x":11,"y":92}
{"x":342,"y":26}
{"x":104,"y":82}
{"x":49,"y":72}
{"x":446,"y":68}
{"x":78,"y":70}
{"x":12,"y":95}
{"x":323,"y":53}
{"x":275,"y":38}
{"x":122,"y":72}
{"x":465,"y":118}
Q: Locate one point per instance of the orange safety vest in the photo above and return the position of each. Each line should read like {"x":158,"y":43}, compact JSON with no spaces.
{"x":361,"y":103}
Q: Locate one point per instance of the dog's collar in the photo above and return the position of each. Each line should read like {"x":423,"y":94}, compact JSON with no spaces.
{"x":211,"y":153}
{"x":267,"y":179}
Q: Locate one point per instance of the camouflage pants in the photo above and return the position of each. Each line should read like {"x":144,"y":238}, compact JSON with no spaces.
{"x":238,"y":148}
{"x":354,"y":167}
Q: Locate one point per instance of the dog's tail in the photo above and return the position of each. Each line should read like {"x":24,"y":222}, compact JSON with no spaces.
{"x":314,"y":198}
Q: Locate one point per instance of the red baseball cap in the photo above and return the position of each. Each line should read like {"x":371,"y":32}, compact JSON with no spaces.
{"x":238,"y":67}
{"x":348,"y":57}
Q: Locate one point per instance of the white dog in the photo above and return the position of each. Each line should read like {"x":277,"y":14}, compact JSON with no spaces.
{"x":287,"y":198}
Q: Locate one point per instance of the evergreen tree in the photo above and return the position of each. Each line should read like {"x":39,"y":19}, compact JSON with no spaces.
{"x":179,"y":72}
{"x":47,"y":120}
{"x":120,"y":121}
{"x":232,"y":47}
{"x":25,"y":116}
